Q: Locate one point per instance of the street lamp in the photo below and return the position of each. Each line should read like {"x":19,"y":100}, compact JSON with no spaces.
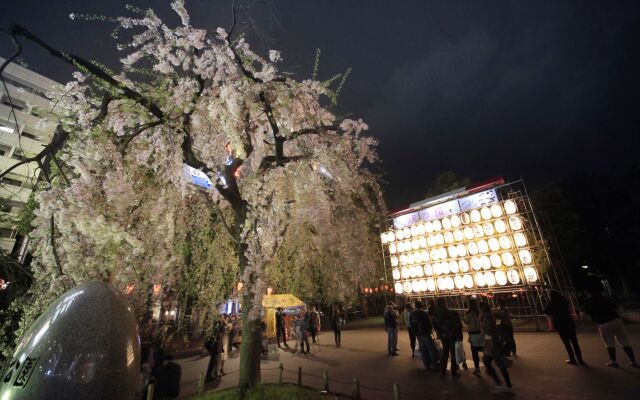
{"x":585,"y":267}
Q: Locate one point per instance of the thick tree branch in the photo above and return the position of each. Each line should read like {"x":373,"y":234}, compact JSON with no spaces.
{"x":126,"y":139}
{"x":56,"y":143}
{"x":316,"y":130}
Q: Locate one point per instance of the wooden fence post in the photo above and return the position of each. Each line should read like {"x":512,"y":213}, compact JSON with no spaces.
{"x":299,"y":376}
{"x":280,"y":369}
{"x":150,"y":392}
{"x":396,"y":391}
{"x":201,"y":383}
{"x":355,"y":393}
{"x":325,"y":377}
{"x":445,"y":395}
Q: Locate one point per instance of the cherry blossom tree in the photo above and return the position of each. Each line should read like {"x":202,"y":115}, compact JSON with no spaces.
{"x":281,"y":166}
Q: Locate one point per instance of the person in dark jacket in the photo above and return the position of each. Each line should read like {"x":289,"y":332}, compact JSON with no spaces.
{"x":505,"y":327}
{"x":213,"y":344}
{"x":421,"y":326}
{"x":448,"y":325}
{"x":280,"y":328}
{"x":558,"y":310}
{"x":391,"y":326}
{"x":167,"y":380}
{"x":602,"y":309}
{"x":337,"y":320}
{"x":492,"y":349}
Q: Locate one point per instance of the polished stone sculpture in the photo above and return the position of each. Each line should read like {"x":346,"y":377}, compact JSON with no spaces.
{"x":84,"y":346}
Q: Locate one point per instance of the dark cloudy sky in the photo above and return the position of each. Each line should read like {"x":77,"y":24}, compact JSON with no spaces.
{"x":532,"y":89}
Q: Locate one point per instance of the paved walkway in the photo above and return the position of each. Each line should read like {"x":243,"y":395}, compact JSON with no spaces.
{"x":539,"y":372}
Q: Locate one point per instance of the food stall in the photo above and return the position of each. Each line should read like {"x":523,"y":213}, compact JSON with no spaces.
{"x":291,"y":305}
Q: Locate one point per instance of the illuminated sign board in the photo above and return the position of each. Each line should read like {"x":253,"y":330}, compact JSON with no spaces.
{"x":477,"y":242}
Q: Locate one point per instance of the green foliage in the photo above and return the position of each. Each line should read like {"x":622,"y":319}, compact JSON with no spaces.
{"x":26,"y":216}
{"x":446,"y":182}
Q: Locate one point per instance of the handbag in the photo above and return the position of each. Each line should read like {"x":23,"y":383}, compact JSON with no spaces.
{"x":461,"y":357}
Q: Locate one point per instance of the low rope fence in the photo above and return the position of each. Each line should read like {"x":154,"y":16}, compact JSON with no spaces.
{"x":394,"y":392}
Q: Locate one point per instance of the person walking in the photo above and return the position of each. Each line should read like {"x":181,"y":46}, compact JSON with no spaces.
{"x":213,"y":345}
{"x":313,"y":323}
{"x":448,"y":325}
{"x":225,"y":327}
{"x":558,"y":310}
{"x":391,"y":326}
{"x":337,"y":320}
{"x":421,"y":326}
{"x":493,"y":350}
{"x":505,"y":328}
{"x":406,"y":316}
{"x":476,"y":337}
{"x":603,"y":311}
{"x":300,"y":326}
{"x":280,"y":328}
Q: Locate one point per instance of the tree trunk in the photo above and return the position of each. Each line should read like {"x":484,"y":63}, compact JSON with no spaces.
{"x":250,"y":348}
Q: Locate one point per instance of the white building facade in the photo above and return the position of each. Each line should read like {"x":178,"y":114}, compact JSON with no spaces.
{"x":23,"y":134}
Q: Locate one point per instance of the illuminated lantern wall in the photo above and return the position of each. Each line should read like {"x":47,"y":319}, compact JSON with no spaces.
{"x":474,"y":243}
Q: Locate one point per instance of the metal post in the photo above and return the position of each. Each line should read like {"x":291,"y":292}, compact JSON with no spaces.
{"x":201,"y":383}
{"x":299,"y":376}
{"x":325,"y":378}
{"x":396,"y":391}
{"x":150,"y":392}
{"x":280,"y":369}
{"x":355,"y":393}
{"x":445,"y":395}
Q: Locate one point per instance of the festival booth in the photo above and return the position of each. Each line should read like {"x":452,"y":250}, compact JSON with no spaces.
{"x":291,"y":305}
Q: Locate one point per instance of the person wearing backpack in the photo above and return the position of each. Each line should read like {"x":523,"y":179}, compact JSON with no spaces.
{"x":420,"y":325}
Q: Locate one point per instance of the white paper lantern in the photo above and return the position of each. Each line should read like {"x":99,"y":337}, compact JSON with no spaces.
{"x":415,"y":244}
{"x":473,"y":248}
{"x":463,"y":265}
{"x":399,"y":234}
{"x":510,"y":207}
{"x":476,"y":263}
{"x":437,"y":269}
{"x":525,"y":257}
{"x":475,"y":216}
{"x":383,"y":238}
{"x":422,"y":284}
{"x":431,"y":240}
{"x":442,"y":284}
{"x":437,"y":225}
{"x":405,"y":272}
{"x":423,"y":242}
{"x":530,"y":274}
{"x":415,"y":286}
{"x":465,"y":218}
{"x":513,"y":276}
{"x":431,"y":285}
{"x":392,"y":248}
{"x":419,"y":271}
{"x":417,"y":257}
{"x":420,"y":229}
{"x":414,"y":230}
{"x":468,"y":233}
{"x":488,"y":229}
{"x":407,"y":245}
{"x":407,"y":286}
{"x":483,"y":247}
{"x":515,"y":223}
{"x":462,"y":250}
{"x":520,"y":239}
{"x":458,"y":236}
{"x":501,"y":278}
{"x":444,"y":268}
{"x":428,"y":270}
{"x":496,"y":211}
{"x":410,"y":258}
{"x":394,"y":261}
{"x":424,"y":256}
{"x":486,"y":262}
{"x":407,"y":232}
{"x":505,"y":243}
{"x":398,"y":287}
{"x":459,"y":281}
{"x":412,"y":272}
{"x":443,"y":253}
{"x":453,"y":251}
{"x":396,"y":274}
{"x":428,"y":227}
{"x":507,"y":259}
{"x":446,"y":223}
{"x":404,"y":260}
{"x":391,"y":237}
{"x":494,"y":244}
{"x":490,"y":278}
{"x":496,"y":261}
{"x":449,"y":284}
{"x":480,"y":279}
{"x":478,"y":231}
{"x":468,"y":281}
{"x":448,"y":237}
{"x":453,"y":267}
{"x":439,"y":239}
{"x":434,"y":254}
{"x":500,"y":225}
{"x":455,"y":221}
{"x":485,"y":212}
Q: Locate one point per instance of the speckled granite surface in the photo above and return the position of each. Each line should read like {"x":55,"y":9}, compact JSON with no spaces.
{"x":85,"y":346}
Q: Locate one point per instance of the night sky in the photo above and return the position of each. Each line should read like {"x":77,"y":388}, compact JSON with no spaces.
{"x":538,"y":90}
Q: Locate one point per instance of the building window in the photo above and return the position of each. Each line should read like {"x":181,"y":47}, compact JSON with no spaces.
{"x":4,"y":150}
{"x":12,"y":182}
{"x":29,"y":135}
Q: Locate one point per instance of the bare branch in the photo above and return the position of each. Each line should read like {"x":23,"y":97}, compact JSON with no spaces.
{"x":56,"y":143}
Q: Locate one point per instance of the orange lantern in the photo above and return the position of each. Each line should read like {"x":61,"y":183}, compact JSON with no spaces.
{"x":240,"y":286}
{"x":129,"y":289}
{"x":156,"y":289}
{"x":269,"y":291}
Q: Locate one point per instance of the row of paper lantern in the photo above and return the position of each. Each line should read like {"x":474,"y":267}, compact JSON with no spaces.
{"x":466,"y":281}
{"x":461,"y":250}
{"x":458,"y":235}
{"x":452,"y":222}
{"x":462,"y":265}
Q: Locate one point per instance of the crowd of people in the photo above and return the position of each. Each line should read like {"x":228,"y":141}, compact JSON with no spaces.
{"x":220,"y":342}
{"x":438,"y":332}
